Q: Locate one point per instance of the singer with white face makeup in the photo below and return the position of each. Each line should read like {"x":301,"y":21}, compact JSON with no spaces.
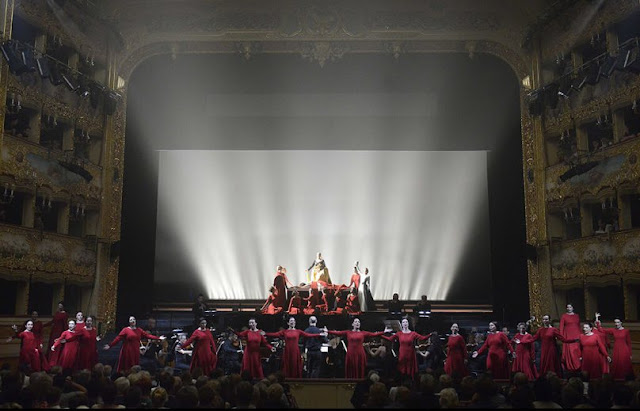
{"x":130,"y":352}
{"x":621,"y":366}
{"x":30,"y":355}
{"x":69,"y":343}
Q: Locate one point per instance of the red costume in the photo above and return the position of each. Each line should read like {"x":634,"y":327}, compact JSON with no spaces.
{"x":88,"y":354}
{"x":59,"y":323}
{"x":30,"y":351}
{"x":621,"y":365}
{"x":37,"y":330}
{"x":313,"y":300}
{"x":355,"y":362}
{"x":549,"y":360}
{"x":295,"y":305}
{"x":68,"y":357}
{"x":593,"y":352}
{"x":355,"y":281}
{"x":457,"y":352}
{"x":407,"y":364}
{"x":280,"y":283}
{"x":353,"y":304}
{"x":291,"y":359}
{"x":605,"y":343}
{"x":570,"y":330}
{"x":497,"y":362}
{"x":251,"y":358}
{"x":130,"y":352}
{"x":271,"y":307}
{"x":525,"y":356}
{"x":204,"y":351}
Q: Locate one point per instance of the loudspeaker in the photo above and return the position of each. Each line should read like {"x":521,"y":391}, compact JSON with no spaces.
{"x":577,"y":170}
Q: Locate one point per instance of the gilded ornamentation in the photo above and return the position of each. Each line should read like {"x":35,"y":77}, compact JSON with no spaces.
{"x":323,"y":51}
{"x":248,"y":48}
{"x":109,"y":292}
{"x":396,"y":48}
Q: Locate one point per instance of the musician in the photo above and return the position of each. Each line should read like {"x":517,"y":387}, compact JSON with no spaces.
{"x":395,"y":305}
{"x":231,"y":354}
{"x":183,"y":357}
{"x":150,"y":348}
{"x":198,"y":310}
{"x":312,"y":348}
{"x":319,"y":271}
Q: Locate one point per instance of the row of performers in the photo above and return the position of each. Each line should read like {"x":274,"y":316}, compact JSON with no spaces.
{"x":76,"y":349}
{"x":324,"y":297}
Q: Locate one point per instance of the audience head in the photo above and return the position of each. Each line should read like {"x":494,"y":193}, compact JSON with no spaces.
{"x":449,"y":398}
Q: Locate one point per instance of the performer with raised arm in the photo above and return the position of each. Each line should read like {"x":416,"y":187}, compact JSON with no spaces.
{"x":356,"y":359}
{"x":621,"y":366}
{"x":605,"y":342}
{"x":58,"y":324}
{"x":366,"y":300}
{"x":549,"y":360}
{"x":68,"y":356}
{"x":130,"y":337}
{"x":499,"y":346}
{"x":592,"y":353}
{"x":524,"y":353}
{"x":570,"y":330}
{"x":204,"y":350}
{"x":319,"y":271}
{"x":251,"y":358}
{"x":291,"y":359}
{"x":270,"y":306}
{"x":407,"y":364}
{"x":456,"y":354}
{"x":88,"y":352}
{"x":30,"y":352}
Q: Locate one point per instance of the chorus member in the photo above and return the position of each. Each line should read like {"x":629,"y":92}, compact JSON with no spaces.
{"x":355,"y":277}
{"x":68,"y":344}
{"x":37,"y":326}
{"x":199,"y":309}
{"x":498,"y":346}
{"x":251,"y":359}
{"x":269,"y":306}
{"x":621,"y":366}
{"x":340,"y":303}
{"x":295,"y":304}
{"x":356,"y":359}
{"x":548,"y":335}
{"x":79,"y":321}
{"x":291,"y":358}
{"x":88,"y":352}
{"x":58,"y":324}
{"x":366,"y":299}
{"x":204,"y":350}
{"x":353,"y":304}
{"x":593,"y":352}
{"x":319,"y":271}
{"x":30,"y":352}
{"x":130,"y":337}
{"x":407,"y":364}
{"x":570,"y":330}
{"x":280,"y":282}
{"x":312,"y":348}
{"x":312,"y":301}
{"x":605,"y":342}
{"x":524,"y":353}
{"x":456,"y":354}
{"x":324,"y":301}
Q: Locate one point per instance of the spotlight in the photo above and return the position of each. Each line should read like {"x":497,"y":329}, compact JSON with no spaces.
{"x":579,"y":81}
{"x":28,"y":59}
{"x":632,"y":60}
{"x":609,"y":65}
{"x":69,"y":81}
{"x":43,"y":66}
{"x":83,"y":87}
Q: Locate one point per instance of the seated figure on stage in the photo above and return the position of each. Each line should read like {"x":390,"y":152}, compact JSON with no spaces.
{"x":295,"y":304}
{"x":353,"y":304}
{"x":313,"y":301}
{"x":269,"y":306}
{"x":319,"y":271}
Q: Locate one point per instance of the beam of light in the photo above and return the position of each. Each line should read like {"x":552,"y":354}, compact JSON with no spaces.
{"x":407,"y":215}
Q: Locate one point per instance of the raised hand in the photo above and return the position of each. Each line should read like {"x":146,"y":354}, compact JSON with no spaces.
{"x":14,"y":328}
{"x":53,"y":348}
{"x":388,"y":329}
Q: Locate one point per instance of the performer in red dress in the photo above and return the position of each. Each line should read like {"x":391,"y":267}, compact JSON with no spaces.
{"x":280,"y":283}
{"x":88,"y":352}
{"x":251,"y":358}
{"x":291,"y":359}
{"x":79,"y":321}
{"x":605,"y":342}
{"x":548,"y":335}
{"x":58,"y":324}
{"x":570,"y":330}
{"x":355,"y":362}
{"x":313,"y":300}
{"x":68,"y":345}
{"x":499,"y":346}
{"x":353,"y":303}
{"x":269,"y":306}
{"x":37,"y":326}
{"x":593,"y":352}
{"x":456,"y":354}
{"x":295,"y":304}
{"x":407,"y":364}
{"x":355,"y":278}
{"x":524,"y":353}
{"x":204,"y":352}
{"x":621,"y":366}
{"x":130,"y":337}
{"x":30,"y":354}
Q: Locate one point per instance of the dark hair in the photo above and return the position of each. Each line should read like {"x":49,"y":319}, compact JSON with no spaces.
{"x":187,"y":397}
{"x":109,"y":393}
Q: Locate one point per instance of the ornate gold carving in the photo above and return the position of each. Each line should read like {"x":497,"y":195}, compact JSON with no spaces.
{"x":248,"y":48}
{"x":107,"y":303}
{"x":323,"y":51}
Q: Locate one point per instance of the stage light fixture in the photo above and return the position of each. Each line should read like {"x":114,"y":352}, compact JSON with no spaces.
{"x":69,"y":80}
{"x":579,"y":81}
{"x":632,"y":60}
{"x":13,"y":57}
{"x":28,"y":59}
{"x":43,"y":66}
{"x":95,"y":92}
{"x":608,"y":66}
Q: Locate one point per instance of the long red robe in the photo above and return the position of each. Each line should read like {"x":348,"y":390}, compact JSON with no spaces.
{"x":570,"y":330}
{"x":271,"y":308}
{"x":355,"y":280}
{"x":37,"y":330}
{"x":355,"y":363}
{"x":291,"y":359}
{"x":68,"y":356}
{"x":88,"y":352}
{"x":280,"y":283}
{"x":549,"y":360}
{"x":30,"y":351}
{"x":295,"y":305}
{"x":251,"y":359}
{"x":353,"y":304}
{"x":605,"y":343}
{"x":59,"y":323}
{"x":407,"y":364}
{"x":130,"y":352}
{"x":621,"y":366}
{"x":593,"y":353}
{"x":497,"y":361}
{"x":456,"y":354}
{"x":204,"y":351}
{"x":525,"y":356}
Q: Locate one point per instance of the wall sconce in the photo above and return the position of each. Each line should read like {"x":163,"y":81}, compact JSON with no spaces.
{"x":14,"y":103}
